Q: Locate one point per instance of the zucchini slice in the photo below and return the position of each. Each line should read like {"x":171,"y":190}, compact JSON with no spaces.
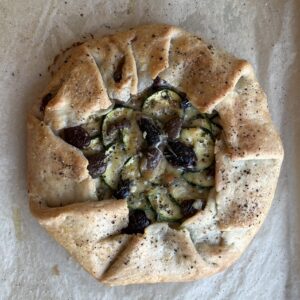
{"x":150,"y":214}
{"x":131,"y":170}
{"x":139,"y":201}
{"x":201,"y":178}
{"x":122,"y":120}
{"x":152,"y":175}
{"x":163,"y":204}
{"x":201,"y":122}
{"x":181,"y":190}
{"x":202,"y":143}
{"x":116,"y":156}
{"x":162,"y":105}
{"x":93,"y":125}
{"x":95,"y":146}
{"x":103,"y":190}
{"x":190,"y":113}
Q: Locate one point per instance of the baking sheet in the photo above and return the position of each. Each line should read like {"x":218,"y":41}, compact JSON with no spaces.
{"x":267,"y":33}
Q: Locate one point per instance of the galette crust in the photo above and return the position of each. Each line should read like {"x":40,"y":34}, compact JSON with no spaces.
{"x":248,"y":157}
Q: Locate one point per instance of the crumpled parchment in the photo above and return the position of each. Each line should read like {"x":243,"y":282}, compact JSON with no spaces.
{"x":32,"y":32}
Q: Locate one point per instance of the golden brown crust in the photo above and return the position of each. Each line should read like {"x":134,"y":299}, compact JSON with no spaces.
{"x":57,"y":171}
{"x":87,"y":78}
{"x":245,"y":190}
{"x":246,"y":122}
{"x":78,"y":90}
{"x":89,"y":231}
{"x":161,"y":254}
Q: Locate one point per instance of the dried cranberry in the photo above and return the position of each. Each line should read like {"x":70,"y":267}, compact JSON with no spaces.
{"x":123,"y":190}
{"x":97,"y":164}
{"x":180,"y":155}
{"x":159,"y":84}
{"x":187,"y":208}
{"x":77,"y":136}
{"x":137,"y":222}
{"x":153,"y":156}
{"x":151,"y":131}
{"x":173,"y":127}
{"x":45,"y":100}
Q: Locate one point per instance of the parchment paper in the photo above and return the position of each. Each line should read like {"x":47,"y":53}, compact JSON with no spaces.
{"x":267,"y":33}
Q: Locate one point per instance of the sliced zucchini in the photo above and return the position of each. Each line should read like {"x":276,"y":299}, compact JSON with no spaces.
{"x":138,"y":201}
{"x":181,"y":190}
{"x":131,"y":169}
{"x":201,"y":178}
{"x":150,"y":214}
{"x":122,"y":120}
{"x":152,"y":175}
{"x":163,"y":204}
{"x":95,"y":146}
{"x":201,"y":122}
{"x":170,"y":174}
{"x":103,"y":190}
{"x":116,"y":156}
{"x":162,"y":105}
{"x":202,"y":143}
{"x":190,"y":113}
{"x":93,"y":125}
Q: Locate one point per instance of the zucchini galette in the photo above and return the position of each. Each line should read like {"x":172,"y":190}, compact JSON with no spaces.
{"x":152,"y":156}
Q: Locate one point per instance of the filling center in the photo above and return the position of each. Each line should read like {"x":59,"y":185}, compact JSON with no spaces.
{"x":156,"y":151}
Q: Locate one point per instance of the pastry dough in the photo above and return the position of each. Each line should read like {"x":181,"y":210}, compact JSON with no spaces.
{"x":249,"y":153}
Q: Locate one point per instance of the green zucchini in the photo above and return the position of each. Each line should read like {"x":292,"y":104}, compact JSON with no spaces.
{"x":131,"y":170}
{"x":162,"y":105}
{"x":201,"y":178}
{"x":163,"y":204}
{"x":139,"y":201}
{"x":150,"y":214}
{"x":116,"y":156}
{"x":181,"y":190}
{"x":152,"y":175}
{"x":201,"y":122}
{"x":202,"y":143}
{"x":95,"y":146}
{"x":131,"y":135}
{"x":103,"y":190}
{"x":190,"y":113}
{"x":93,"y":125}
